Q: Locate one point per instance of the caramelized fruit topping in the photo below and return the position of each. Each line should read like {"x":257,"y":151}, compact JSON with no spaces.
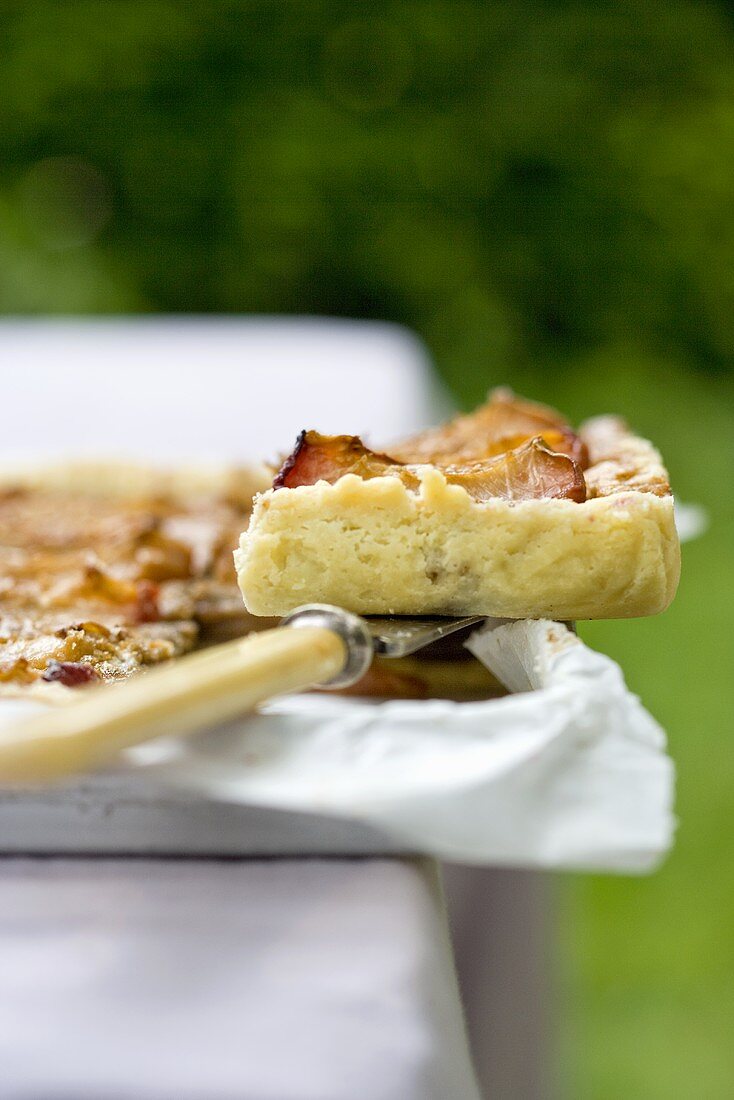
{"x":509,"y":448}
{"x":317,"y":457}
{"x":503,"y":423}
{"x":528,"y":472}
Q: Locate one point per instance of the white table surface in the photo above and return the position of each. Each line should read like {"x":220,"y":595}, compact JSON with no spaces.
{"x":138,"y":979}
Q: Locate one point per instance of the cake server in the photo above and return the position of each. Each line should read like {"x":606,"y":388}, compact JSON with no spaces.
{"x":315,"y":646}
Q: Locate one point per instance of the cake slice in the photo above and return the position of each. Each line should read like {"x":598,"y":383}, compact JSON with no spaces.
{"x":507,"y":512}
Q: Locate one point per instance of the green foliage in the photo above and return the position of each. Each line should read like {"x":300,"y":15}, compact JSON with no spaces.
{"x":511,"y":179}
{"x":645,"y":987}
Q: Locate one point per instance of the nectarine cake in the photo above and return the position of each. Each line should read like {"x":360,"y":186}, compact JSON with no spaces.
{"x":505,"y":512}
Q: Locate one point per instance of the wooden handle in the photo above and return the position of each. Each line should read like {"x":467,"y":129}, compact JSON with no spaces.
{"x":177,"y":698}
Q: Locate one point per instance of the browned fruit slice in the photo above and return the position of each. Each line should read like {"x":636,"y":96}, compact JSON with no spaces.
{"x":529,"y":472}
{"x":501,"y":424}
{"x":317,"y":457}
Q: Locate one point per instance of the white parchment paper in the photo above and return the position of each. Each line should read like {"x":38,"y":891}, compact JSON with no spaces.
{"x":569,"y":772}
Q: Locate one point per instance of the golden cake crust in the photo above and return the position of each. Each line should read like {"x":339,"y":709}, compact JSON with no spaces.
{"x":376,"y":547}
{"x":123,"y":478}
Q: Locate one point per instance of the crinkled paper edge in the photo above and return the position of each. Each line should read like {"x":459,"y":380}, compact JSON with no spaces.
{"x":568,"y":772}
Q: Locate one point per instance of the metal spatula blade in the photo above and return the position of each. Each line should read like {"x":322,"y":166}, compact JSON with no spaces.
{"x":387,"y":636}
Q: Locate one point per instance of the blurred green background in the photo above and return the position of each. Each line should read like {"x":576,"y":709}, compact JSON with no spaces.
{"x":543,"y":191}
